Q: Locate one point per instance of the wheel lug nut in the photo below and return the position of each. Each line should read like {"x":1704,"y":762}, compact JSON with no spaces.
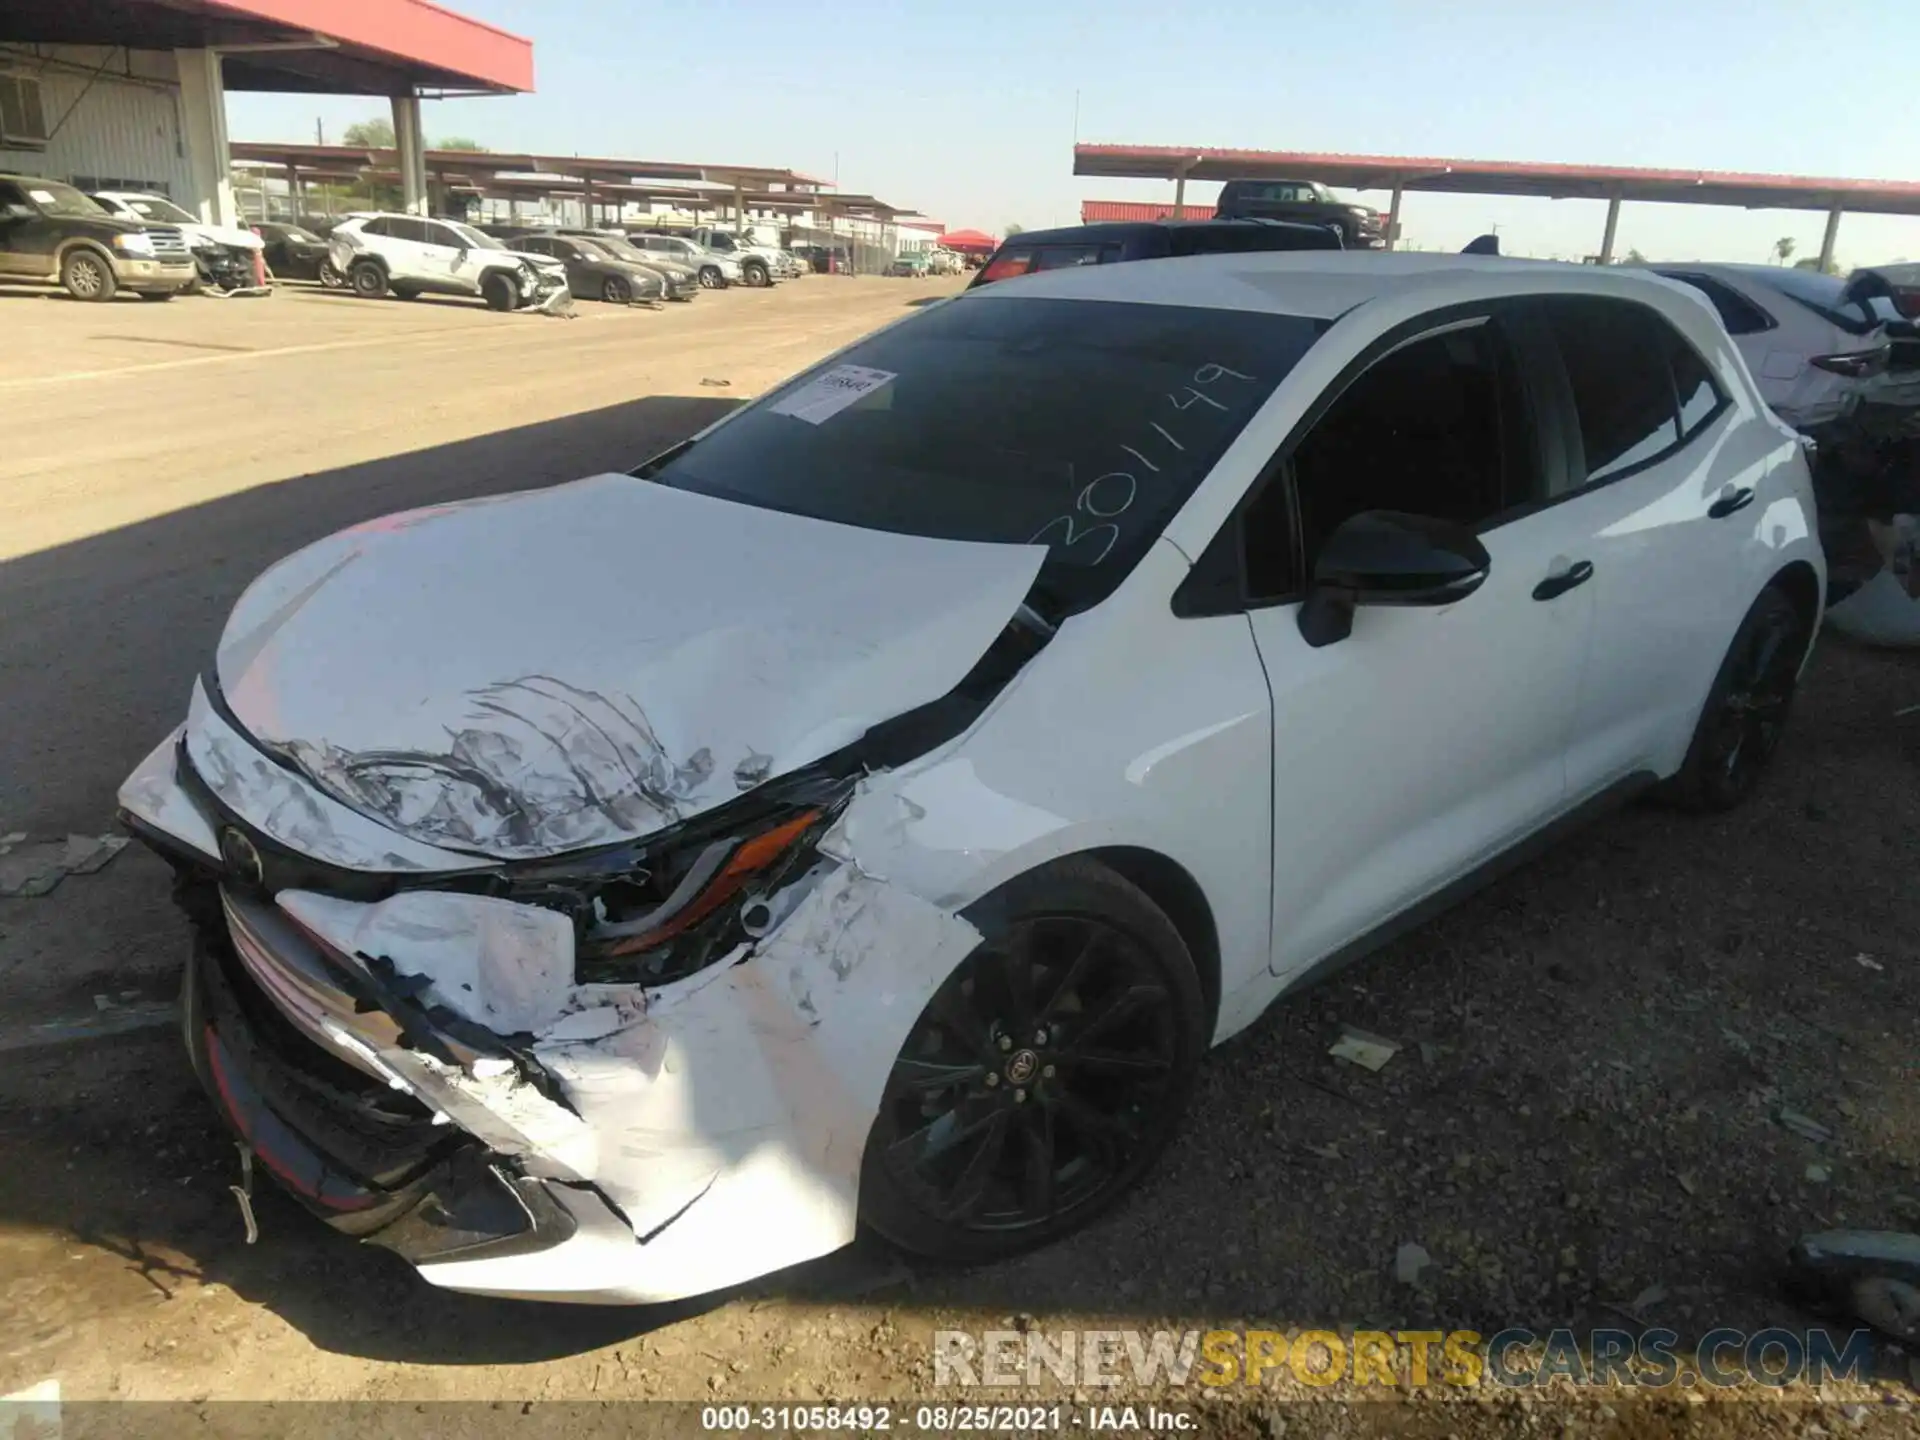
{"x":1047,"y":1072}
{"x":1040,"y":1037}
{"x":1019,"y":1097}
{"x":993,"y":1079}
{"x":1006,"y":1042}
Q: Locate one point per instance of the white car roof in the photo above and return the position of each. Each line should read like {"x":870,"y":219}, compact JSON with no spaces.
{"x":1323,"y":284}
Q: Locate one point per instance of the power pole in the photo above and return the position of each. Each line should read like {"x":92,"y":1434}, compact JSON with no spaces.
{"x":319,"y":131}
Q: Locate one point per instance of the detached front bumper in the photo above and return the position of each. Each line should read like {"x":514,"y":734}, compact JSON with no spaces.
{"x":618,"y":1146}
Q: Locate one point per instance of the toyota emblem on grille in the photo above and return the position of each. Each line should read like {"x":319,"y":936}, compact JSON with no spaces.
{"x":242,"y":859}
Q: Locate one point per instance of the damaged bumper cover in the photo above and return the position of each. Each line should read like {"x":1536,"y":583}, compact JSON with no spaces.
{"x":427,"y":1070}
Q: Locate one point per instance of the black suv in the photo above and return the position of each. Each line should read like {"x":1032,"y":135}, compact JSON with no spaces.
{"x":51,"y":231}
{"x":1305,"y":202}
{"x":1112,"y":241}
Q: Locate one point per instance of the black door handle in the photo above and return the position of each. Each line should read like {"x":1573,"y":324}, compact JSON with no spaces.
{"x":1553,"y":586}
{"x":1728,"y":504}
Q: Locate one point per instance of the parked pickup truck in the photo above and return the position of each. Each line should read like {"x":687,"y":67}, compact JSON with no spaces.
{"x":1307,"y":201}
{"x":50,"y":231}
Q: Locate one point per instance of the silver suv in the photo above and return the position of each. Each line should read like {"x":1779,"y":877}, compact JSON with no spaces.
{"x":716,"y":271}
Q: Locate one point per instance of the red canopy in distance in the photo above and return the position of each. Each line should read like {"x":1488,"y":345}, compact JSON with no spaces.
{"x":968,"y":240}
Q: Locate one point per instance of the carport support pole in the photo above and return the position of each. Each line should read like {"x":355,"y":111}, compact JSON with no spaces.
{"x":1613,"y":225}
{"x":203,"y":106}
{"x":1826,"y":240}
{"x":1393,"y":219}
{"x":413,"y":154}
{"x":739,"y":210}
{"x":1180,"y":196}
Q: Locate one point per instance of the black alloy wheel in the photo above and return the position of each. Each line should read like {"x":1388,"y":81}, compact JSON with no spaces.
{"x":1746,"y":711}
{"x":615,"y":291}
{"x":1043,"y":1078}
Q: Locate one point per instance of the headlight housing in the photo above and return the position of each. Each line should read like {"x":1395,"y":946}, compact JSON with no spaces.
{"x":136,"y":243}
{"x":670,"y":906}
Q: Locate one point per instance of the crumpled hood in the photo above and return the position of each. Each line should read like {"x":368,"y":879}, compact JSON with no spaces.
{"x":233,"y":236}
{"x":534,"y":673}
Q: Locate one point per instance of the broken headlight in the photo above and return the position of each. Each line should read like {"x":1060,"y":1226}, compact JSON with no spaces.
{"x":666,"y":911}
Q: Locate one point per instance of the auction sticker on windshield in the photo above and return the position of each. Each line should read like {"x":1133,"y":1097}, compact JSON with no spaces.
{"x":827,"y":394}
{"x":43,"y":197}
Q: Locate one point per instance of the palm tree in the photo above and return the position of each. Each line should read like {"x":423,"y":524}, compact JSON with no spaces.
{"x":1783,"y":249}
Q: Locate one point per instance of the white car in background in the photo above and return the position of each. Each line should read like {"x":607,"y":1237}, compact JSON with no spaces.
{"x":411,"y":255}
{"x":224,"y":254}
{"x":874,"y":807}
{"x":1817,"y":344}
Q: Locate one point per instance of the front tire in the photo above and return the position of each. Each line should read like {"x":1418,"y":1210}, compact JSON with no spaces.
{"x":616,"y":291}
{"x":756,"y":275}
{"x":329,"y":277}
{"x":368,"y":280}
{"x":87,"y":276}
{"x":1045,"y":1076}
{"x":497,"y":289}
{"x":711,"y":278}
{"x":1746,"y":711}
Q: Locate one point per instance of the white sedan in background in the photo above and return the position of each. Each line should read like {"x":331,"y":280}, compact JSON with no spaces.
{"x":873,"y":808}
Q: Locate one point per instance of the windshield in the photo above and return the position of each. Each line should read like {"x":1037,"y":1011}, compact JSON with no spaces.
{"x":164,"y":212}
{"x":53,"y":198}
{"x":294,"y":232}
{"x":1078,"y":425}
{"x":478,"y":239}
{"x":618,"y":249}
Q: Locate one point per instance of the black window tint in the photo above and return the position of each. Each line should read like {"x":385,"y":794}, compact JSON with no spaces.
{"x":1434,"y":428}
{"x":1739,"y":314}
{"x":1077,"y":425}
{"x":441,"y":235}
{"x":1615,"y":356}
{"x":10,"y":194}
{"x":1065,"y":257}
{"x":403,"y":227}
{"x":1693,"y":384}
{"x":375,"y":226}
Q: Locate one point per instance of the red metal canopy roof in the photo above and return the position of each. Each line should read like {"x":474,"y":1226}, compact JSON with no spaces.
{"x":1502,"y":177}
{"x":1093,"y":212}
{"x":370,"y":47}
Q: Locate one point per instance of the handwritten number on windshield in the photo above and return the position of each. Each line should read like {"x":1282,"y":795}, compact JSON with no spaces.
{"x":1109,"y":496}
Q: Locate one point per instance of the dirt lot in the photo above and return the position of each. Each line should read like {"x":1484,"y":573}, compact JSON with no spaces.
{"x":1582,"y":1118}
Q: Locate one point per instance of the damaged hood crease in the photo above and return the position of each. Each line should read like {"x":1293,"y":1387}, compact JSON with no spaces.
{"x":522,"y":676}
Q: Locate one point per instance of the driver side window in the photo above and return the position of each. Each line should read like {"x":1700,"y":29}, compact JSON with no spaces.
{"x":1436,"y":427}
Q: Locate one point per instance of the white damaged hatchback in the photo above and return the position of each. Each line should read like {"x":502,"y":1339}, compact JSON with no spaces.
{"x":872,"y":809}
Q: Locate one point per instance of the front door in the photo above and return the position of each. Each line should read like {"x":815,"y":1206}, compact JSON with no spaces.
{"x":1429,"y":739}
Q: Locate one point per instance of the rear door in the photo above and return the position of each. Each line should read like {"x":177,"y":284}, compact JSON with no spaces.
{"x":24,"y":247}
{"x":1664,"y":486}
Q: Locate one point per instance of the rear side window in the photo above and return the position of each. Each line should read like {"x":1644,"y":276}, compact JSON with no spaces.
{"x":1007,"y":264}
{"x":400,"y":227}
{"x":1631,"y":375}
{"x":1065,"y":257}
{"x":1822,"y":294}
{"x":1739,"y":314}
{"x":375,"y":226}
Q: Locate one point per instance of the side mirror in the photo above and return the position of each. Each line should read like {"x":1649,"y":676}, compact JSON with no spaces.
{"x":1386,"y":557}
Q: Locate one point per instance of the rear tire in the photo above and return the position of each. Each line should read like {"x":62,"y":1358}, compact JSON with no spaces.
{"x":368,"y":280}
{"x":497,"y":289}
{"x":87,"y":276}
{"x":1044,"y":1077}
{"x":1746,"y":711}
